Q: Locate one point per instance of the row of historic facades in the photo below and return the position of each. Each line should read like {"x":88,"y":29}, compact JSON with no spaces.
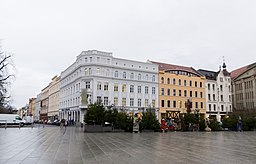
{"x":134,"y":86}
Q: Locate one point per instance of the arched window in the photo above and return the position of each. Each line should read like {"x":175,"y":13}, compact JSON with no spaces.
{"x":132,"y":76}
{"x":162,"y":80}
{"x":168,"y":81}
{"x":124,"y":75}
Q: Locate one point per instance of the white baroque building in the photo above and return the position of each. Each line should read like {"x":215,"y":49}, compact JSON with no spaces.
{"x":128,"y":85}
{"x":218,"y":93}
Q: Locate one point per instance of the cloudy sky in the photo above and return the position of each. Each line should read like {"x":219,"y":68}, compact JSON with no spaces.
{"x":46,"y":36}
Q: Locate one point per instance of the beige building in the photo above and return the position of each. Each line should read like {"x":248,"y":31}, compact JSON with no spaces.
{"x":54,"y":88}
{"x":44,"y":104}
{"x":32,"y":107}
{"x":178,"y":84}
{"x":244,"y":89}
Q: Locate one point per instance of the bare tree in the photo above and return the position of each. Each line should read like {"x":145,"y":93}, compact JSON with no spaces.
{"x":5,"y":78}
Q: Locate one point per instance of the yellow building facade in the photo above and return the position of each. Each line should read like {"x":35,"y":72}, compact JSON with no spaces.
{"x":177,"y":85}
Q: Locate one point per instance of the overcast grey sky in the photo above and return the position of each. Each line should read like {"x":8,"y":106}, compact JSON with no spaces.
{"x":46,"y":36}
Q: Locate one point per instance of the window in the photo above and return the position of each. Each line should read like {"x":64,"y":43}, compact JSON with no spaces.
{"x":139,"y":76}
{"x":185,"y":93}
{"x":201,"y":84}
{"x":209,"y":97}
{"x":146,"y":77}
{"x":162,"y":91}
{"x":139,"y":102}
{"x":222,"y":107}
{"x":98,"y":99}
{"x":124,"y":88}
{"x":86,"y":71}
{"x":87,"y":84}
{"x":214,"y":107}
{"x":221,"y":79}
{"x":168,"y":81}
{"x":213,"y":87}
{"x":153,"y":78}
{"x":105,"y":100}
{"x":85,"y":60}
{"x":123,"y":101}
{"x":174,"y":104}
{"x":116,"y":101}
{"x":90,"y":71}
{"x":162,"y":80}
{"x":153,"y":90}
{"x":139,"y":89}
{"x":124,"y":75}
{"x":190,"y":83}
{"x":108,"y":61}
{"x":221,"y":97}
{"x":116,"y":73}
{"x":201,"y":94}
{"x":195,"y":93}
{"x":168,"y":103}
{"x":174,"y":92}
{"x":146,"y":89}
{"x":191,"y":94}
{"x":132,"y":76}
{"x":209,"y":87}
{"x":210,"y":107}
{"x":173,"y":81}
{"x":98,"y":59}
{"x":153,"y":103}
{"x":131,"y":88}
{"x":131,"y":101}
{"x":99,"y":86}
{"x":221,"y":89}
{"x":115,"y":87}
{"x":168,"y":92}
{"x":179,"y":92}
{"x":185,"y":82}
{"x":146,"y":102}
{"x":90,"y":59}
{"x":195,"y":83}
{"x":202,"y":105}
{"x":105,"y":86}
{"x":97,"y":71}
{"x":197,"y":105}
{"x":179,"y":82}
{"x":213,"y":97}
{"x":162,"y":103}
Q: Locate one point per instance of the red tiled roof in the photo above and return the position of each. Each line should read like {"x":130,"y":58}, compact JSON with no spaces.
{"x":238,"y":72}
{"x":165,"y":67}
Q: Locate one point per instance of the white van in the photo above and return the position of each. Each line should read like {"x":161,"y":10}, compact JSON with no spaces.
{"x":11,"y":119}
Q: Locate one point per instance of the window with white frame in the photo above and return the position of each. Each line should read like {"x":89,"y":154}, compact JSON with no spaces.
{"x":105,"y":100}
{"x":99,"y":86}
{"x":153,"y":78}
{"x":123,"y":101}
{"x":131,"y":88}
{"x":131,"y":101}
{"x":115,"y":87}
{"x":139,"y":76}
{"x":124,"y":75}
{"x":116,"y":73}
{"x":98,"y":71}
{"x":116,"y":101}
{"x":139,"y":89}
{"x":98,"y":99}
{"x":87,"y":84}
{"x":139,"y":102}
{"x":153,"y":90}
{"x":146,"y":89}
{"x":153,"y":103}
{"x":162,"y":91}
{"x":146,"y":102}
{"x":106,"y":86}
{"x":90,"y":59}
{"x":132,"y":76}
{"x":98,"y":59}
{"x":124,"y":88}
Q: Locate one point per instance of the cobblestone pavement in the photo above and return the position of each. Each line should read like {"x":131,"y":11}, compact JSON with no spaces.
{"x":71,"y":146}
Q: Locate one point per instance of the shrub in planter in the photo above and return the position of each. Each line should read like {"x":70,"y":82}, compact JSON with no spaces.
{"x":95,"y":114}
{"x":230,"y":122}
{"x":215,"y":125}
{"x":149,"y":121}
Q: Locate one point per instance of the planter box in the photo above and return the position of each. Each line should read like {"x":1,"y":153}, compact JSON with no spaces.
{"x":97,"y":128}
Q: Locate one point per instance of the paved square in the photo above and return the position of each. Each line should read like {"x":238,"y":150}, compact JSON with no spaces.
{"x":71,"y":146}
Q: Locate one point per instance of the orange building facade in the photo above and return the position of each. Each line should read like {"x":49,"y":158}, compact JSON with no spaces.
{"x":177,"y":84}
